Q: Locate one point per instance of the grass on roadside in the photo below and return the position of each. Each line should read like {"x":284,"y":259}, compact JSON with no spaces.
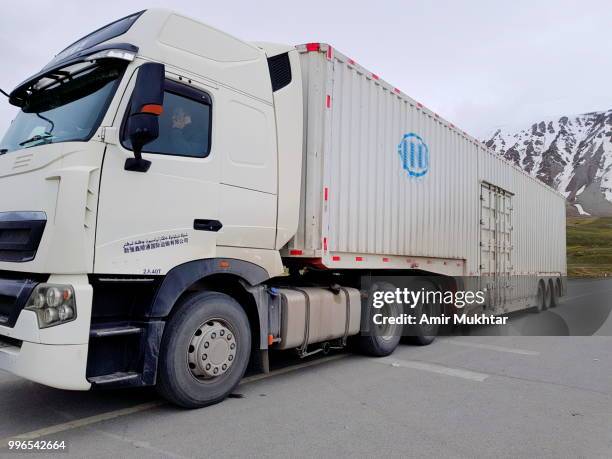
{"x":589,"y":246}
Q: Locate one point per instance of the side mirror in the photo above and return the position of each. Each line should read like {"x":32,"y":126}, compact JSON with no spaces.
{"x":146,"y":105}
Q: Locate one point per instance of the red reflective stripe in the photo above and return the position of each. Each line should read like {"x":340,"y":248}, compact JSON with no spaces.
{"x":310,"y":47}
{"x":328,"y":101}
{"x":326,"y":193}
{"x":154,"y":109}
{"x":358,"y":258}
{"x":295,"y":252}
{"x":385,"y":260}
{"x":395,"y":90}
{"x":325,"y":244}
{"x":351,"y":62}
{"x":330,"y":53}
{"x":375,"y":76}
{"x":336,"y":258}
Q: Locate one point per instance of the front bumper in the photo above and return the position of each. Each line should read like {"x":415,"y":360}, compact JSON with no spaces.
{"x":54,"y":356}
{"x":60,"y":366}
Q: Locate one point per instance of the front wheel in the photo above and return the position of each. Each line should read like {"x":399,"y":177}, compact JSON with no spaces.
{"x":204,"y":351}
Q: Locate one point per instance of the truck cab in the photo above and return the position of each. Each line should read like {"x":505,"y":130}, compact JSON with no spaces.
{"x":100,"y":236}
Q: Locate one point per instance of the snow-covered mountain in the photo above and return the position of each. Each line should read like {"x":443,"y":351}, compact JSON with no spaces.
{"x":572,"y":154}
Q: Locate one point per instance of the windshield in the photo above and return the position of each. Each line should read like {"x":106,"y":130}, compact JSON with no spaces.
{"x":68,"y":107}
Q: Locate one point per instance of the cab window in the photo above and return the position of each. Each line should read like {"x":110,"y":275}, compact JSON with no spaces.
{"x":184,"y":125}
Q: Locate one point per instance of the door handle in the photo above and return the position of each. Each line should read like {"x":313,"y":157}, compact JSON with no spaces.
{"x":207,"y":225}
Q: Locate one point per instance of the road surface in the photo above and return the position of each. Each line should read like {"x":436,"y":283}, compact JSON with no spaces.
{"x":463,"y":396}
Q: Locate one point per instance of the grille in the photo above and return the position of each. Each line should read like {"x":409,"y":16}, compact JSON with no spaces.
{"x":20,"y":235}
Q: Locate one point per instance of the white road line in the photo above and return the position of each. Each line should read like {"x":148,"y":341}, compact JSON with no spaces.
{"x":434,"y":368}
{"x":490,"y":347}
{"x":83,"y":422}
{"x":80,"y":423}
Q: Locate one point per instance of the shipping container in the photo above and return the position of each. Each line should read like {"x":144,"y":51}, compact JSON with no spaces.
{"x":387,"y":183}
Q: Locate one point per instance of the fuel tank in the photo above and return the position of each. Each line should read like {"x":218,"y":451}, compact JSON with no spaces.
{"x":315,"y":314}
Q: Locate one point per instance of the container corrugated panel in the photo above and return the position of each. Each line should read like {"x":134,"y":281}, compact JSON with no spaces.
{"x":388,"y":183}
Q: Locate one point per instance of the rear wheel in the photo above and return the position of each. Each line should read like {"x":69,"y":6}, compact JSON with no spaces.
{"x":553,"y":295}
{"x":423,"y":333}
{"x":381,"y":340}
{"x":542,"y":297}
{"x":204,"y":351}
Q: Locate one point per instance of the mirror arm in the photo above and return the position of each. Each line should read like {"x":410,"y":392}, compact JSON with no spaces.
{"x":137,"y":164}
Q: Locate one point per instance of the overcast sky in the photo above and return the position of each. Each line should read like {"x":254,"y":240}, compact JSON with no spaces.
{"x":480,"y":64}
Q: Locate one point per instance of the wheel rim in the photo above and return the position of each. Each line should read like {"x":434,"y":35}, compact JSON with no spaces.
{"x":212,"y":350}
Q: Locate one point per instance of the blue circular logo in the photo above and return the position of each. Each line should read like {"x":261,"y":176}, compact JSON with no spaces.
{"x":414,"y":155}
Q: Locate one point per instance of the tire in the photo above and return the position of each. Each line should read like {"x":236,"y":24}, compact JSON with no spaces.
{"x":203,"y":322}
{"x":542,"y":297}
{"x":553,"y":295}
{"x":382,"y":340}
{"x":423,"y":334}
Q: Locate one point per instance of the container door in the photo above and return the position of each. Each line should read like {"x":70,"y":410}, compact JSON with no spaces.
{"x":496,"y":243}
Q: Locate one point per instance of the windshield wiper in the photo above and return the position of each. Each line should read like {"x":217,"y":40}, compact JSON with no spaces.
{"x":36,"y":138}
{"x":44,"y":118}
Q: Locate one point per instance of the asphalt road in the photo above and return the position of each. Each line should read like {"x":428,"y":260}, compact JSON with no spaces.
{"x":463,"y":396}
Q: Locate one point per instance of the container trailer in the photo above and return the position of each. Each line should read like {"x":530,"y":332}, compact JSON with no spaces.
{"x":175,"y":203}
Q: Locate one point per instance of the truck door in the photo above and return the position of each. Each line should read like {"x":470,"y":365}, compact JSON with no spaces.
{"x":496,"y":243}
{"x":149,"y":222}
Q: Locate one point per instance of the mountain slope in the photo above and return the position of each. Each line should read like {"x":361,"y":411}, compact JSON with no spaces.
{"x":573,"y":154}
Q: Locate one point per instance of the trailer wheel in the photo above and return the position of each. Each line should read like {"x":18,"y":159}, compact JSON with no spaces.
{"x":553,"y":294}
{"x":381,"y":340}
{"x":204,"y":351}
{"x":542,"y":297}
{"x":423,"y":334}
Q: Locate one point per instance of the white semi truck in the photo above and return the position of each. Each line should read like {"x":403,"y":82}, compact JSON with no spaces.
{"x":175,"y":203}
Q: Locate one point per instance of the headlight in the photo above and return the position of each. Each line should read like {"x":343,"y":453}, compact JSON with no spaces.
{"x":53,"y":304}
